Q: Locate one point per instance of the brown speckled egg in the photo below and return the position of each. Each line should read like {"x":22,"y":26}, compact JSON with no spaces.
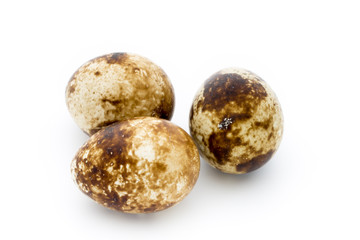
{"x":117,"y":87}
{"x":236,"y":121}
{"x":140,"y":165}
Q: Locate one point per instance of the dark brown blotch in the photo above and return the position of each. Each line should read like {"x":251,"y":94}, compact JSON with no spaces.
{"x":220,"y":146}
{"x":113,"y":140}
{"x":97,"y":73}
{"x":270,"y":136}
{"x":220,"y":89}
{"x":153,"y":207}
{"x":112,"y":199}
{"x":161,"y":167}
{"x":264,"y":124}
{"x":72,"y":88}
{"x":116,"y":58}
{"x":162,"y":112}
{"x":240,"y":116}
{"x":157,"y":169}
{"x":168,"y":100}
{"x":166,"y":108}
{"x":101,"y":126}
{"x":92,"y":175}
{"x":94,"y":170}
{"x":124,"y":199}
{"x":255,"y":162}
{"x":112,"y":102}
{"x":191,"y":113}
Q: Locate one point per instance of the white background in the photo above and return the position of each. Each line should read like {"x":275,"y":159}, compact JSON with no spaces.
{"x":309,"y":53}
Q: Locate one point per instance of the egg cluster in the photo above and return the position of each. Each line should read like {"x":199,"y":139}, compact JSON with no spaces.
{"x":136,"y":160}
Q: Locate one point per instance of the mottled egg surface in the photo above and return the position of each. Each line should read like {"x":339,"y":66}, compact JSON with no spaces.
{"x":236,"y":121}
{"x":137,"y":166}
{"x":117,"y":87}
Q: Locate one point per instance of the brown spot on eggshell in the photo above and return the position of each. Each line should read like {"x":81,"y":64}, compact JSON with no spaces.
{"x":137,"y":166}
{"x":71,"y":89}
{"x":254,"y":163}
{"x":112,"y":102}
{"x":117,"y":87}
{"x":116,"y":58}
{"x":220,"y":89}
{"x":236,"y":121}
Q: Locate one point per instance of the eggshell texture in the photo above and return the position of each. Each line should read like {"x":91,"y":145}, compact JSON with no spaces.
{"x":137,"y":166}
{"x":236,"y":121}
{"x":117,"y":87}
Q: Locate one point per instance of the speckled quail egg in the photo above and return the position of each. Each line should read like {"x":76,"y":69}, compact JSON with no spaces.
{"x":236,"y":121}
{"x":117,"y":87}
{"x":140,"y":165}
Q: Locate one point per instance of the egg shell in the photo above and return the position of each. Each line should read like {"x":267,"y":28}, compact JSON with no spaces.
{"x":140,"y":165}
{"x":116,"y":87}
{"x":236,"y":121}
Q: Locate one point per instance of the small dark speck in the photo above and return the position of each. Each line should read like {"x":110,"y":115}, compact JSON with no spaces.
{"x":270,"y":135}
{"x":97,"y":73}
{"x":72,"y":89}
{"x":94,"y":170}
